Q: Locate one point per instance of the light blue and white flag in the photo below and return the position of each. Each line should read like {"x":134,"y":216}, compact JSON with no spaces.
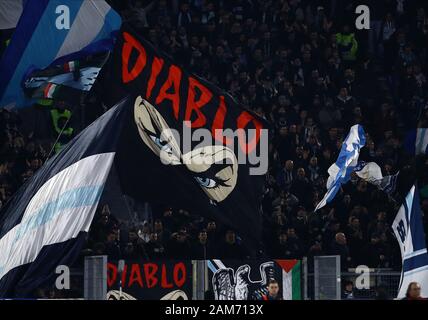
{"x":340,"y":171}
{"x":409,"y":231}
{"x":53,"y":32}
{"x":372,"y":173}
{"x":46,"y":222}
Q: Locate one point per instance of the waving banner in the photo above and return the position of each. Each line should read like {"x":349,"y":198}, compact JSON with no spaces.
{"x":192,"y":143}
{"x":409,"y":230}
{"x":46,"y":223}
{"x":340,"y":171}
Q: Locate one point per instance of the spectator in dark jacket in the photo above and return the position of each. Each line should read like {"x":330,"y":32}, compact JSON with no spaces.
{"x":201,"y":248}
{"x":230,"y":248}
{"x":301,"y":187}
{"x":178,"y":246}
{"x":340,"y":248}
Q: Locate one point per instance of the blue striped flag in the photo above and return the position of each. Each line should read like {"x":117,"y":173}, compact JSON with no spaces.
{"x":347,"y":161}
{"x":409,"y":231}
{"x":53,"y":32}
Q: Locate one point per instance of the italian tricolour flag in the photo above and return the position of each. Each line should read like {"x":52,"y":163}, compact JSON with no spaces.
{"x":50,"y":90}
{"x":291,"y":289}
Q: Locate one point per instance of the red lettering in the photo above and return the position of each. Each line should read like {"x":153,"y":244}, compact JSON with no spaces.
{"x":164,"y":279}
{"x":150,"y":270}
{"x":124,"y":274}
{"x":156,"y":69}
{"x":174,"y":79}
{"x":218,"y":123}
{"x":135,"y":275}
{"x":179,"y":274}
{"x":111,"y":274}
{"x":195,"y":106}
{"x":130,"y":44}
{"x":243,"y":120}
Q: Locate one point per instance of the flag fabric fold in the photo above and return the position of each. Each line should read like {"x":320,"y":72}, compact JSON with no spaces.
{"x":408,"y":229}
{"x":421,"y":142}
{"x":10,"y":11}
{"x":340,"y":171}
{"x":372,"y":173}
{"x":39,"y":41}
{"x":416,"y":141}
{"x":53,"y":210}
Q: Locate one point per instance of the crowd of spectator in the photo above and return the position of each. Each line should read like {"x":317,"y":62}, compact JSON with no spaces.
{"x":301,"y":65}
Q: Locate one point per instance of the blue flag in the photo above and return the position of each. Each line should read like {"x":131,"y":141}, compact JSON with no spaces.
{"x":409,"y":230}
{"x":53,"y":32}
{"x":347,"y":161}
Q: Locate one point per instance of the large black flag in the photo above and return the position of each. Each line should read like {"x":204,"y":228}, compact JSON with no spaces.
{"x":216,"y":174}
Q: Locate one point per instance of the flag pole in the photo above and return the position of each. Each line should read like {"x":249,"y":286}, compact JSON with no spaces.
{"x":57,"y":139}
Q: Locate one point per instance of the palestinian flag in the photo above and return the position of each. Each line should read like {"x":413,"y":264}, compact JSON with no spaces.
{"x":291,"y":288}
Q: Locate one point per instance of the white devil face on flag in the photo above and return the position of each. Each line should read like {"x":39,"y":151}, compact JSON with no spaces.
{"x":214,"y":167}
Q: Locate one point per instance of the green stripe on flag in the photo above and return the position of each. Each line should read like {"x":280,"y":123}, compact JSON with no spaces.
{"x":296,"y":293}
{"x":291,"y":288}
